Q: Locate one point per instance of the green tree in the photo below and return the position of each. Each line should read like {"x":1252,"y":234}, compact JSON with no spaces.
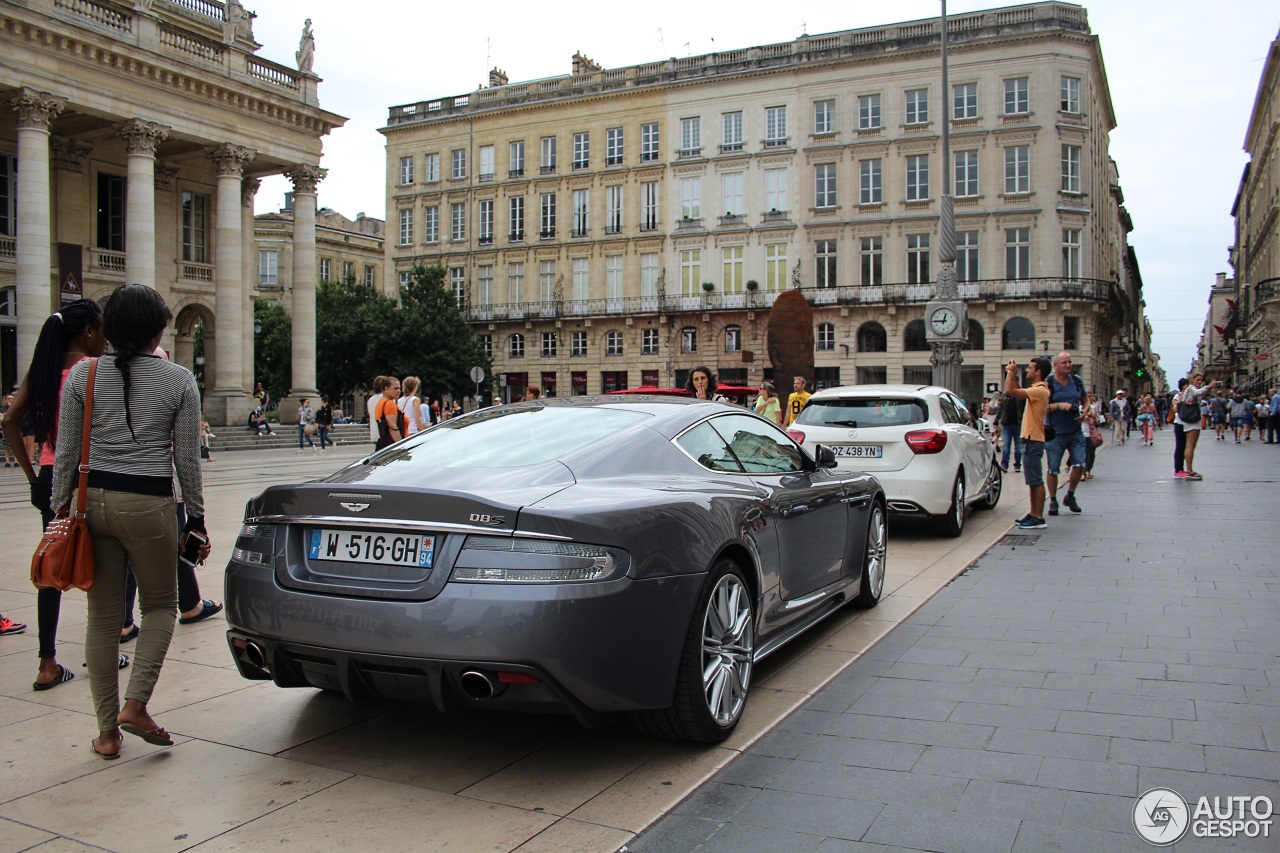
{"x":350,"y":321}
{"x":273,"y":350}
{"x":437,"y":345}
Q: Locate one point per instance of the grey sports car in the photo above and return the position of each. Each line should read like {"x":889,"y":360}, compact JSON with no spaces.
{"x":585,"y":555}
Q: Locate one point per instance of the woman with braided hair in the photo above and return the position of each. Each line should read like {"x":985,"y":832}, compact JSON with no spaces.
{"x":145,"y":423}
{"x":67,"y":338}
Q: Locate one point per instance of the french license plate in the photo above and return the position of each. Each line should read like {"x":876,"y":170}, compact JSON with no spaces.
{"x":859,"y":451}
{"x":367,"y":546}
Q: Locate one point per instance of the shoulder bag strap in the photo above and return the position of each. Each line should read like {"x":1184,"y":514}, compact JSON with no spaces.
{"x":82,"y":490}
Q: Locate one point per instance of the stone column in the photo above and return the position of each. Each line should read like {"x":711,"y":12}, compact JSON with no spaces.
{"x":229,"y":388}
{"x":34,"y":232}
{"x":305,"y":177}
{"x":140,"y":141}
{"x":248,"y":189}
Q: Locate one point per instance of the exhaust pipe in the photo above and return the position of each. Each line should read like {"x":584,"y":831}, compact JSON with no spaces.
{"x":903,"y":506}
{"x":477,"y":685}
{"x":255,"y":655}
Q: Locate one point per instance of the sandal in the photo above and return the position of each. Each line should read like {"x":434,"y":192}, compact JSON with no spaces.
{"x":105,"y":756}
{"x":131,"y":634}
{"x":156,"y":736}
{"x":124,"y":660}
{"x":208,"y":608}
{"x":64,"y":675}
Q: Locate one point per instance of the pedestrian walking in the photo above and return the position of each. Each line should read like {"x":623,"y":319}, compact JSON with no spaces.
{"x":1273,"y":417}
{"x":1094,"y":419}
{"x":797,"y":399}
{"x":1218,"y":412}
{"x":1147,"y":420}
{"x":387,"y":416}
{"x":1066,"y":415}
{"x":1036,"y":395}
{"x":306,"y":424}
{"x":379,"y":386}
{"x":1118,"y":412}
{"x":411,"y":406}
{"x":1193,"y":398}
{"x":324,"y":422}
{"x":1240,"y":409}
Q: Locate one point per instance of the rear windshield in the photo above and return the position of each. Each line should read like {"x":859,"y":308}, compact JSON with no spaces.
{"x":864,"y":412}
{"x":508,"y":437}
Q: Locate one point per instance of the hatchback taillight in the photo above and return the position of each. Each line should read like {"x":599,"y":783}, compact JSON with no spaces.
{"x":797,"y":435}
{"x":926,"y":440}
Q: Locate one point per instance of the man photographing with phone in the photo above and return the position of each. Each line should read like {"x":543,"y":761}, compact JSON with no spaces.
{"x":1036,"y":393}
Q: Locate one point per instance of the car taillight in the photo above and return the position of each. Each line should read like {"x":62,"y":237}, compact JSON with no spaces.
{"x":797,"y":435}
{"x":926,"y":440}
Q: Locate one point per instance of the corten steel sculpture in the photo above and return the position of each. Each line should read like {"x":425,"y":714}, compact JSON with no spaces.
{"x":790,"y":339}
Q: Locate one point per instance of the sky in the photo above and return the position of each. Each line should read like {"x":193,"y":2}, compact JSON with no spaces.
{"x":1183,"y":78}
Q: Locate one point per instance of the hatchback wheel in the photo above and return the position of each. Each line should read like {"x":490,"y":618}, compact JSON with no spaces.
{"x":715,"y":666}
{"x":952,"y":523}
{"x":994,"y":486}
{"x":873,"y":559}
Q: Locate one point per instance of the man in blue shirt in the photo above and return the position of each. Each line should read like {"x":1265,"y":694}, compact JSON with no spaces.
{"x":1066,"y":413}
{"x":1273,"y":422}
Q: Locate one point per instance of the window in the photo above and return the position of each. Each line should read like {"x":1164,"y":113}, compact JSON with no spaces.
{"x":977,"y":336}
{"x":691,"y":198}
{"x":868,"y":112}
{"x":649,"y":142}
{"x":486,"y":222}
{"x":458,"y":286}
{"x":613,"y":343}
{"x":917,"y":177}
{"x":966,"y":255}
{"x":824,"y":117}
{"x":515,"y":168}
{"x":348,"y":272}
{"x":515,"y":346}
{"x":581,"y":214}
{"x":775,"y":267}
{"x":486,"y":342}
{"x":732,"y":132}
{"x":917,"y":258}
{"x":1071,"y":168}
{"x":613,"y":146}
{"x":368,"y":275}
{"x":826,"y":337}
{"x":649,"y":342}
{"x":775,"y":127}
{"x":515,"y":212}
{"x":1019,"y":333}
{"x":733,"y":269}
{"x":405,"y":278}
{"x":577,"y":344}
{"x":1016,"y":97}
{"x":431,"y":224}
{"x":548,"y":162}
{"x":917,"y":107}
{"x":487,"y":162}
{"x":1017,"y":169}
{"x":966,"y":169}
{"x":581,"y":150}
{"x":613,"y":209}
{"x":870,"y":190}
{"x":964,"y":101}
{"x":688,"y":339}
{"x":826,"y":257}
{"x":775,"y":190}
{"x":1069,"y":95}
{"x":546,"y":281}
{"x":326,"y":269}
{"x":547,"y":216}
{"x":458,"y":221}
{"x":432,"y":168}
{"x":731,"y":197}
{"x":195,"y":227}
{"x":649,"y":206}
{"x":406,"y":170}
{"x":484,"y":285}
{"x":515,"y":283}
{"x":824,"y":185}
{"x":914,"y":338}
{"x":733,"y":339}
{"x":406,"y":228}
{"x":691,"y":272}
{"x":1070,"y":333}
{"x":649,"y":275}
{"x":613,"y":277}
{"x":872,"y":338}
{"x":1017,"y":253}
{"x":690,"y":137}
{"x":581,"y":279}
{"x":871,"y":258}
{"x":111,"y":204}
{"x":1071,"y":255}
{"x":267,"y":261}
{"x":458,"y":159}
{"x":549,"y":344}
{"x":8,"y":197}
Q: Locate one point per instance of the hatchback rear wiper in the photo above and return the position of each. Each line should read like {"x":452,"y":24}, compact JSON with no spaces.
{"x":853,"y":424}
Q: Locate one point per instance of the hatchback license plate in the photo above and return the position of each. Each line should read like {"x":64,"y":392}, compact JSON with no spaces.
{"x":859,"y":451}
{"x":386,"y":549}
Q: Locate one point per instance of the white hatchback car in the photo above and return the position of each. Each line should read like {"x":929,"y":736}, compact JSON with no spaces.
{"x":927,"y":451}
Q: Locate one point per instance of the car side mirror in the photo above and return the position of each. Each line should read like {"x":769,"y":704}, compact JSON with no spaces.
{"x":824,"y":456}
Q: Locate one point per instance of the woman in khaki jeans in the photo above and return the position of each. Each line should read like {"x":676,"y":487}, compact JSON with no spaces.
{"x":144,"y":410}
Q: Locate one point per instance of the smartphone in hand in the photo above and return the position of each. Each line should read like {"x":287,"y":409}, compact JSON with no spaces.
{"x":192,"y":543}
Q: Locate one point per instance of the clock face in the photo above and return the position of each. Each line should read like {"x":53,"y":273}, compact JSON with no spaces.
{"x":943,"y":321}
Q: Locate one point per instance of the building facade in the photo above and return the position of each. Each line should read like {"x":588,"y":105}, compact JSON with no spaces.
{"x":131,"y":145}
{"x":615,"y":228}
{"x":349,"y":250}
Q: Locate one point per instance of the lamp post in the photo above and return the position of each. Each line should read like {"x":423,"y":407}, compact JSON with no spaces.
{"x":946,"y":315}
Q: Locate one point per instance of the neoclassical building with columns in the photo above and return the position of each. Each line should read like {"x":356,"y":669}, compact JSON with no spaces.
{"x":133,"y":134}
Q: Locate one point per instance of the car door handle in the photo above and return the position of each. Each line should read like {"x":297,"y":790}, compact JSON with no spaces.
{"x":858,"y":500}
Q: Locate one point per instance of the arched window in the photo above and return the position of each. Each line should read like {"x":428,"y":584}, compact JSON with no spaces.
{"x":977,"y":335}
{"x":913,"y":339}
{"x":1018,"y":333}
{"x":613,"y":343}
{"x":733,"y":339}
{"x":515,"y":346}
{"x":688,"y":339}
{"x":872,"y":338}
{"x":826,"y":339}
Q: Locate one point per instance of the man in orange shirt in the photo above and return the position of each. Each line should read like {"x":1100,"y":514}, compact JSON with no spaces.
{"x":386,"y":413}
{"x":1037,"y":396}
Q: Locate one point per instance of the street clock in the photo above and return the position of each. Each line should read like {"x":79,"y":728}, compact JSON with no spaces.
{"x":946,"y":320}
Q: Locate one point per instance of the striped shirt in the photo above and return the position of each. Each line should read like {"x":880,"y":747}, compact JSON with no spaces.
{"x":164,"y":407}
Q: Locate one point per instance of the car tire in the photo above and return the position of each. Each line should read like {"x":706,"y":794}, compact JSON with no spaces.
{"x":995,"y":485}
{"x":952,"y":523}
{"x":721,"y":641}
{"x":874,"y":557}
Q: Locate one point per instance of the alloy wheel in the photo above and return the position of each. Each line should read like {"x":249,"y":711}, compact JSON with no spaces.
{"x":728,"y":644}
